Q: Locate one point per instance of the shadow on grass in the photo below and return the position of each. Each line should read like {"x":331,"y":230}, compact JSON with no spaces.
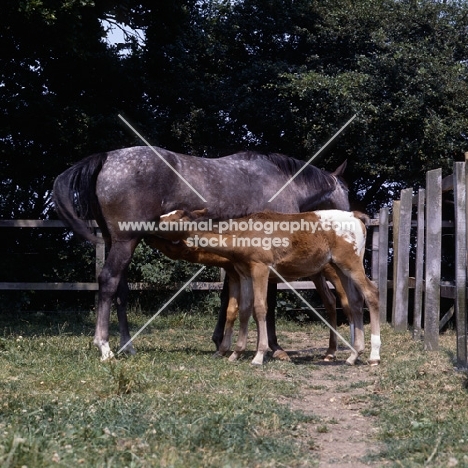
{"x":46,"y":323}
{"x":462,"y":370}
{"x":313,"y":356}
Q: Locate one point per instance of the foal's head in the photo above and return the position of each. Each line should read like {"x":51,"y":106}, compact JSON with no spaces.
{"x":177,"y":224}
{"x":183,"y":215}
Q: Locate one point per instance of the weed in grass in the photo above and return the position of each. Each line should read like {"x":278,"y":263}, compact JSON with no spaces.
{"x":323,"y":429}
{"x":123,"y":377}
{"x":332,"y":421}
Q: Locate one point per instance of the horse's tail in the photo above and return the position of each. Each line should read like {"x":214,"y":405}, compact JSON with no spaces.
{"x":74,"y":196}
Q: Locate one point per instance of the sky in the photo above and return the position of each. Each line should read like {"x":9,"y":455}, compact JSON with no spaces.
{"x":116,"y":35}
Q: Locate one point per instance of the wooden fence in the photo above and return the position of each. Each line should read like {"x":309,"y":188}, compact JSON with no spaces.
{"x":99,"y":262}
{"x":417,"y":220}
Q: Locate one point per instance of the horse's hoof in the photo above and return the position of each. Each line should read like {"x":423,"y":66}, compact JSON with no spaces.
{"x":374,"y":362}
{"x":281,"y":355}
{"x":129,"y":351}
{"x":233,"y":357}
{"x":217,"y":354}
{"x":329,"y":358}
{"x":107,"y":357}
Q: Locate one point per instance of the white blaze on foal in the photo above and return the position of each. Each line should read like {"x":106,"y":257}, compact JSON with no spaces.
{"x":338,"y":241}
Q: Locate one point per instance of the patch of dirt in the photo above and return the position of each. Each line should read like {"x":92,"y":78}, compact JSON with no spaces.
{"x":338,"y":395}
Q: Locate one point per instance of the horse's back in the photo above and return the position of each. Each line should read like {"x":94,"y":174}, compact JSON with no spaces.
{"x":147,"y":183}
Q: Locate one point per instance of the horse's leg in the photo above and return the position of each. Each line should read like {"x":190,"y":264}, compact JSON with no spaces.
{"x":121,"y":300}
{"x":353,"y":309}
{"x":329,"y":302}
{"x":278,"y":351}
{"x":360,"y":286}
{"x":117,"y":261}
{"x":351,"y":302}
{"x":218,"y":332}
{"x":231,"y":315}
{"x":367,"y":289}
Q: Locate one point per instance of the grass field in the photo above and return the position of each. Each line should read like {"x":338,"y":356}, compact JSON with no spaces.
{"x":173,"y":405}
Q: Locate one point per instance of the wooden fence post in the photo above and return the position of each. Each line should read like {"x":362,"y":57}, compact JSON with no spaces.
{"x":396,"y":227}
{"x":433,"y":258}
{"x":383,"y":263}
{"x":401,"y":262}
{"x":459,"y":192}
{"x":419,"y":274}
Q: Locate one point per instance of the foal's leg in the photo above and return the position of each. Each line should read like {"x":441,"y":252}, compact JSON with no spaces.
{"x":217,"y":337}
{"x":245,"y":311}
{"x":231,"y":315}
{"x":278,"y":351}
{"x":117,"y":261}
{"x":121,"y":300}
{"x":371,"y":295}
{"x":260,"y":275}
{"x":351,"y":301}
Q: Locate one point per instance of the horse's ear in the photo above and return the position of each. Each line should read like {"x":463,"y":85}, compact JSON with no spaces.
{"x":339,"y":171}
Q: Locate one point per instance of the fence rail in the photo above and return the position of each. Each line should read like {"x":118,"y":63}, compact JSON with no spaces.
{"x":99,"y":261}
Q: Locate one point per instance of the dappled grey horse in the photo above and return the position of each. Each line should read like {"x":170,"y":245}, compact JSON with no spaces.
{"x":140,"y":184}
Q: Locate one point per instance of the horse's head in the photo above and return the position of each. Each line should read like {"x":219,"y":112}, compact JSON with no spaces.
{"x":340,"y":196}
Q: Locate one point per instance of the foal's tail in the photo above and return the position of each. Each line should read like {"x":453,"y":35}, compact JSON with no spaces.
{"x":363,"y":217}
{"x":74,"y":196}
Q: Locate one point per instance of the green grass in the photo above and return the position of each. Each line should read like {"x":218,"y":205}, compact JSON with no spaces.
{"x":173,"y":405}
{"x":421,"y":401}
{"x":170,"y":405}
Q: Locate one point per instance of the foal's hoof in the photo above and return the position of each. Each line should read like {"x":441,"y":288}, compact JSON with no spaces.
{"x":329,"y":358}
{"x":258,"y":359}
{"x":351,"y":361}
{"x":233,"y":357}
{"x":217,"y":355}
{"x":256,"y":363}
{"x":281,"y":355}
{"x":374,"y":362}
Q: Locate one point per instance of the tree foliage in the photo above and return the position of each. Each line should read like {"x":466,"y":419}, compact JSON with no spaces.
{"x":215,"y":76}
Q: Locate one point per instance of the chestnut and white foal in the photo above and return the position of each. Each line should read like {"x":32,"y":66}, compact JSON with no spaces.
{"x":351,"y":300}
{"x":329,"y":238}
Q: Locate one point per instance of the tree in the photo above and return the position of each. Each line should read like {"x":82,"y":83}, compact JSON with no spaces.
{"x":284,"y":76}
{"x":61,"y":91}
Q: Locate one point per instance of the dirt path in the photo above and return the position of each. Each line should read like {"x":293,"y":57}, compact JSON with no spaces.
{"x":338,"y":394}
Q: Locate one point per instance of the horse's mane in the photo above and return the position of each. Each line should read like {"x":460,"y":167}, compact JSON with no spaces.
{"x":289,"y":166}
